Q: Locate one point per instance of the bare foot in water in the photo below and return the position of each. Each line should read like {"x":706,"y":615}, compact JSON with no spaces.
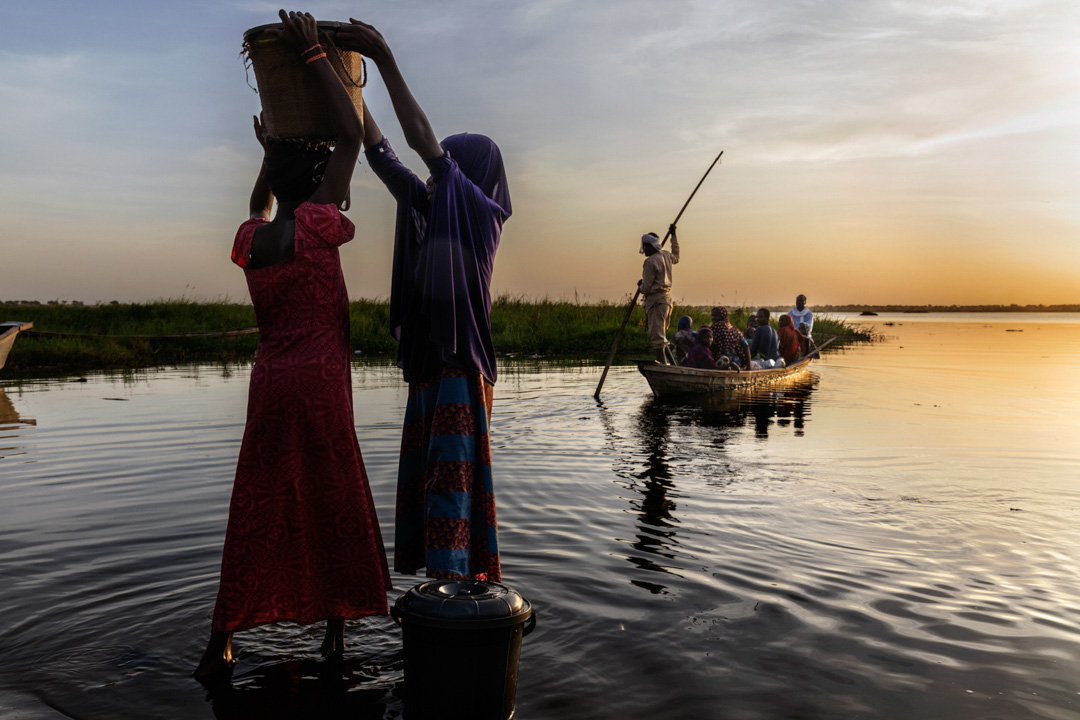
{"x":218,"y":659}
{"x":334,"y":641}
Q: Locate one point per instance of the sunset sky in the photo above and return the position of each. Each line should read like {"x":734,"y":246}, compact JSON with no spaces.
{"x":874,"y":151}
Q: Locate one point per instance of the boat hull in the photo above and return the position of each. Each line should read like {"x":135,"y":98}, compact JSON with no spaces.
{"x":671,"y":380}
{"x":8,"y":332}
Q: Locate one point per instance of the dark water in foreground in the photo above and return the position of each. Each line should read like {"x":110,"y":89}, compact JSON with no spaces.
{"x":896,"y":537}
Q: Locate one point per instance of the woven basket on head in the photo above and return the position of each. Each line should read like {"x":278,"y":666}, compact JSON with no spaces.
{"x":293,"y":108}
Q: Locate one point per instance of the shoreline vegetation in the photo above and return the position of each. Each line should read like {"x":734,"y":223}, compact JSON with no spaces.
{"x":945,"y":308}
{"x":73,"y":337}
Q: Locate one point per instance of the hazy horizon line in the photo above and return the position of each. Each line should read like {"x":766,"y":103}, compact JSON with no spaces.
{"x":825,"y":307}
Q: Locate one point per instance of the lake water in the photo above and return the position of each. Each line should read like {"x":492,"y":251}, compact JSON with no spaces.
{"x":897,"y":536}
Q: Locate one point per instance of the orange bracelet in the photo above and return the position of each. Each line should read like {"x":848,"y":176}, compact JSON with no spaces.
{"x":316,"y":45}
{"x":313,"y":58}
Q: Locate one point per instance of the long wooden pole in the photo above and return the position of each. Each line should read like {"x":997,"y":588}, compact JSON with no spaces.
{"x":818,"y":349}
{"x":637,"y":293}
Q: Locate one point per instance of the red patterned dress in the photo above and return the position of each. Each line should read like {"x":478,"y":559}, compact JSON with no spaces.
{"x":303,"y":541}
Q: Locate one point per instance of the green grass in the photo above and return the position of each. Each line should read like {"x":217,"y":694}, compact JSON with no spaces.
{"x":552,"y":328}
{"x":120,"y":322}
{"x":559,"y":327}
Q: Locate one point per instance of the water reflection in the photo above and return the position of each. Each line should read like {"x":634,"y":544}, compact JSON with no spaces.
{"x":871,"y":567}
{"x":784,"y":406}
{"x":656,"y":511}
{"x":305,"y":688}
{"x":10,"y":419}
{"x":9,"y":415}
{"x":667,"y":436}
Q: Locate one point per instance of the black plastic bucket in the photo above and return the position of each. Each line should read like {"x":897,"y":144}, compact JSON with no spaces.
{"x":462,"y":643}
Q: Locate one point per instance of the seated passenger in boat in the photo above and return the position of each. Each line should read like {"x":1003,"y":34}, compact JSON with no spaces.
{"x":765,"y":346}
{"x":727,"y":341}
{"x":751,"y":326}
{"x":684,"y":339}
{"x":791,"y":340}
{"x":700,"y":356}
{"x":809,"y":345}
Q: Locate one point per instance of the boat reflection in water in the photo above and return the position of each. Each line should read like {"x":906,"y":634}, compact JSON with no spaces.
{"x":8,"y":414}
{"x":785,"y":406}
{"x":10,"y":420}
{"x":685,"y":439}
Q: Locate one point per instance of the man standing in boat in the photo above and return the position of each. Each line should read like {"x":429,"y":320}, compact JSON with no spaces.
{"x":655,"y":286}
{"x":801,"y":314}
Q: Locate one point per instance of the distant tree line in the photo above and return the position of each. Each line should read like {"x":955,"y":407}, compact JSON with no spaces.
{"x":774,"y":308}
{"x":945,"y":308}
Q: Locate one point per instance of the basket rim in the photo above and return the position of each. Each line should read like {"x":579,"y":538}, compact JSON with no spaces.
{"x":321,"y":24}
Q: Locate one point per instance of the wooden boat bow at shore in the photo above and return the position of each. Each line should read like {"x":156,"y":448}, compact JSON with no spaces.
{"x":8,"y":332}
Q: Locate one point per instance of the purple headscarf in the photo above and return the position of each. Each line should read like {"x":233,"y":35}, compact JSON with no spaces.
{"x":480,"y":159}
{"x":444,"y":253}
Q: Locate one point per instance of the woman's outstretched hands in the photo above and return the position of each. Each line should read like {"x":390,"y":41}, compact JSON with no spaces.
{"x":364,"y":39}
{"x":300,"y":31}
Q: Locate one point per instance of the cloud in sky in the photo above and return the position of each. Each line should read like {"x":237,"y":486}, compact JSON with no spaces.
{"x":875,"y":151}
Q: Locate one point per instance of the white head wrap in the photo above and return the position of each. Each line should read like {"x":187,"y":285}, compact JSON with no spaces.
{"x":649,"y":239}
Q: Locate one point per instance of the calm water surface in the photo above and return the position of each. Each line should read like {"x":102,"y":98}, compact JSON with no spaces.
{"x":898,"y":536}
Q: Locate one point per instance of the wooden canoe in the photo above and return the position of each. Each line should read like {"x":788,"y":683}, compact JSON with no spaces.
{"x":669,"y":380}
{"x":8,"y":332}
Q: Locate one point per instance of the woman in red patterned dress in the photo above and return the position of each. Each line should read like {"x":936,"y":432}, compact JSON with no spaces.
{"x":303,"y":542}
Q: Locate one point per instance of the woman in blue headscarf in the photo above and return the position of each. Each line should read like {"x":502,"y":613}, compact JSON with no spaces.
{"x":684,"y":339}
{"x":445,"y":239}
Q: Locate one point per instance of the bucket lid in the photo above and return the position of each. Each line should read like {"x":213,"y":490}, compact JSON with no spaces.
{"x":462,"y":604}
{"x":323,"y":25}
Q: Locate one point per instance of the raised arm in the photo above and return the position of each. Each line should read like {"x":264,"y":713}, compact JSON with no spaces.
{"x":674,"y":245}
{"x":366,"y":40}
{"x":399,"y":180}
{"x":262,"y":199}
{"x":302,"y":34}
{"x":372,"y":134}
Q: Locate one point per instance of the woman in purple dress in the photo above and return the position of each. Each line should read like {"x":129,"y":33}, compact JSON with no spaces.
{"x":447,"y":232}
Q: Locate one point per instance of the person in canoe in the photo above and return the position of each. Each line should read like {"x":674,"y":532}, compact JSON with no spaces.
{"x":809,"y":345}
{"x":765,"y":346}
{"x":791,"y":340}
{"x":701,"y":356}
{"x":801,"y":314}
{"x":684,"y":339}
{"x":727,"y":341}
{"x":655,"y":287}
{"x":751,"y":326}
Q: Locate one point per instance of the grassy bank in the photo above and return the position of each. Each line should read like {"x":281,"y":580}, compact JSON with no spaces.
{"x":127,"y":335}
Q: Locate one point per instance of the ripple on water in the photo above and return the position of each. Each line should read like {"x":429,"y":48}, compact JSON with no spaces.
{"x":820,"y":551}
